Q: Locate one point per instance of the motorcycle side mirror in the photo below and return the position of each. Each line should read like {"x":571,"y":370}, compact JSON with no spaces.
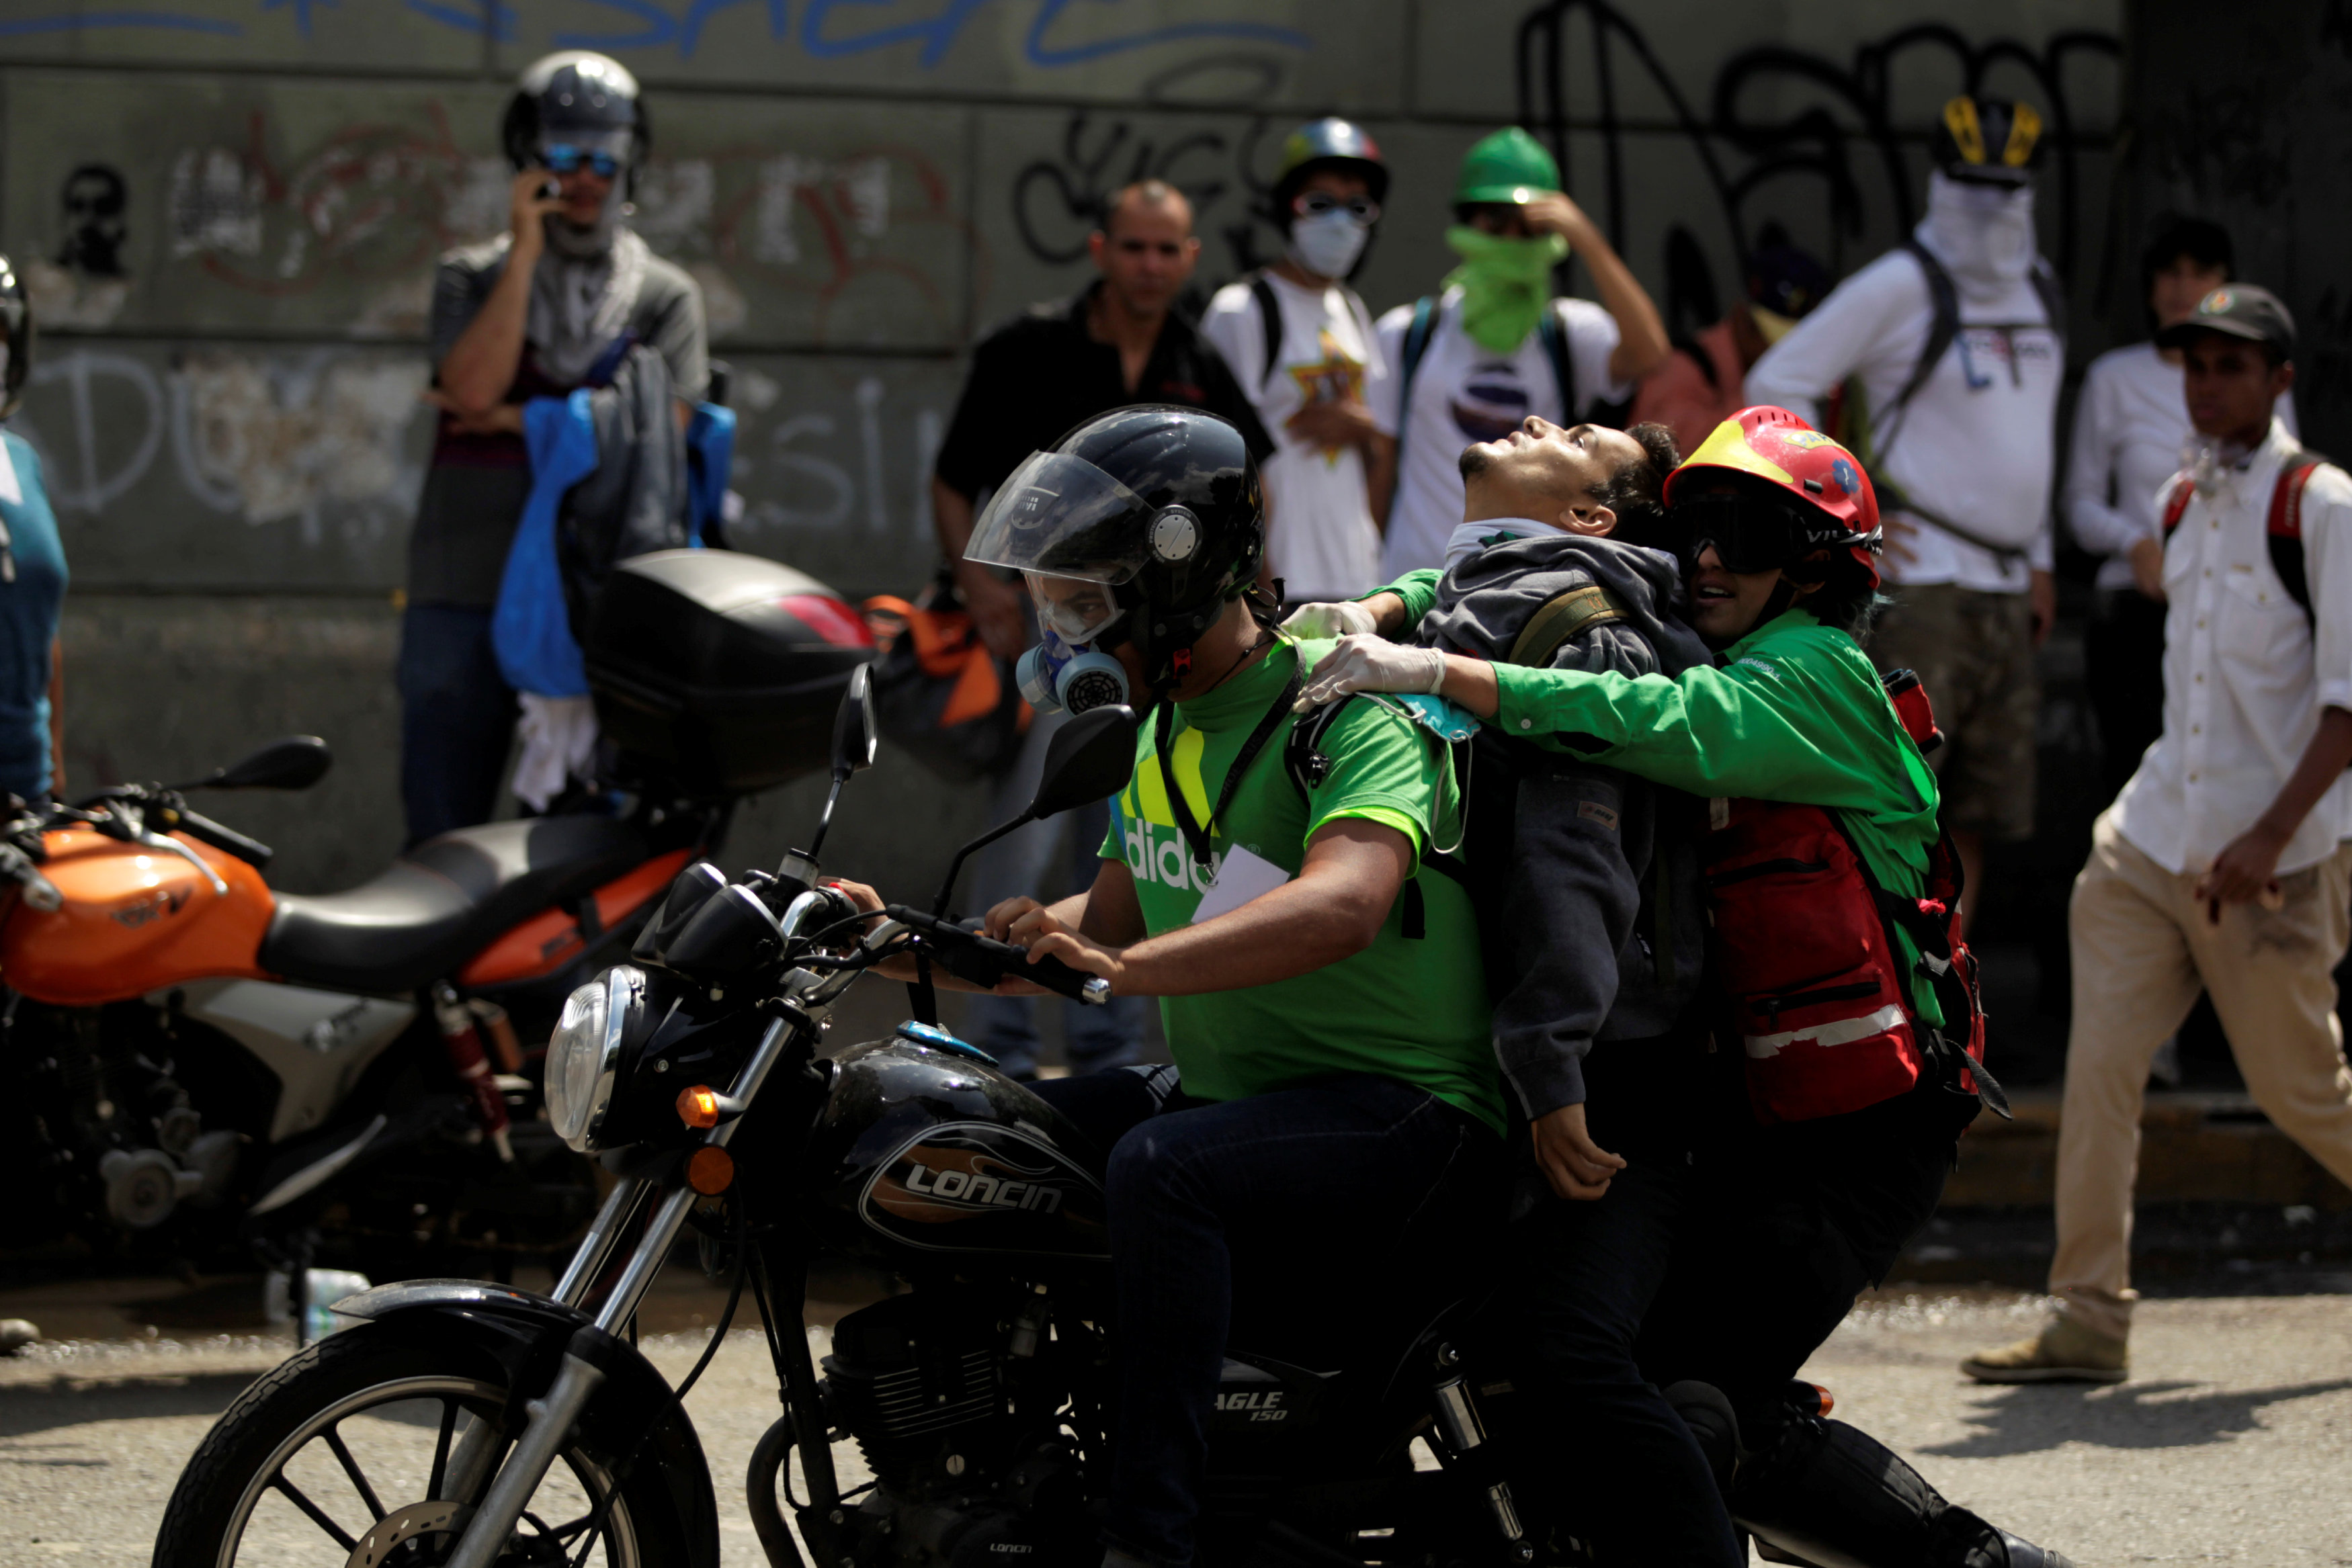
{"x":855,"y":738}
{"x":855,"y":735}
{"x":1089,"y":758}
{"x":296,"y":762}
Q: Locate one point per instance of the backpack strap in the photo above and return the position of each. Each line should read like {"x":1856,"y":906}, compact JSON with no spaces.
{"x":1553,"y":331}
{"x":1304,"y":759}
{"x":1269,"y":319}
{"x":2052,"y":294}
{"x":1943,"y":331}
{"x":1562,"y":621}
{"x":1698,"y":354}
{"x":1417,"y":334}
{"x":2284,"y":528}
{"x":2176,"y":504}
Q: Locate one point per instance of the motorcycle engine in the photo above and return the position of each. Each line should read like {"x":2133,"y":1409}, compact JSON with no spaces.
{"x":114,"y":1141}
{"x":921,"y":1382}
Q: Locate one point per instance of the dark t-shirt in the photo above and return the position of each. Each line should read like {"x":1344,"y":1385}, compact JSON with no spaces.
{"x":1040,"y":375}
{"x":475,"y":489}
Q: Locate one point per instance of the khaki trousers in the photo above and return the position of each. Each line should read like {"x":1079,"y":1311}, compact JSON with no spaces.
{"x":2142,"y":949}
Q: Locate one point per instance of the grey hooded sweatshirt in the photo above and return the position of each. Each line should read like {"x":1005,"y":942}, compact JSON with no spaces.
{"x":1600,"y":885}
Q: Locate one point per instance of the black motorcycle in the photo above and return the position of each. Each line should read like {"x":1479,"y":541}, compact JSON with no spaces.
{"x":465,"y":1424}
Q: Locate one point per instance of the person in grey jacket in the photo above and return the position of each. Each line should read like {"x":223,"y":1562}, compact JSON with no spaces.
{"x":1596,"y":953}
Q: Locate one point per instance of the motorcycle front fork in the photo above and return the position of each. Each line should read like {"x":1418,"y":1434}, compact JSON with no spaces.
{"x":586,"y":1359}
{"x":593,"y":1348}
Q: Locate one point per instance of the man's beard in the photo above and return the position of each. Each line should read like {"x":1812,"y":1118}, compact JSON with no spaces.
{"x":1476,"y":460}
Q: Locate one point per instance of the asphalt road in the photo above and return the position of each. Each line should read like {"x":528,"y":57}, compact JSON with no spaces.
{"x":2230,"y":1446}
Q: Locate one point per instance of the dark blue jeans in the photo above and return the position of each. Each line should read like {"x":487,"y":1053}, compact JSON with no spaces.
{"x":1312,"y":1224}
{"x":1623,"y":1471}
{"x":456,"y":719}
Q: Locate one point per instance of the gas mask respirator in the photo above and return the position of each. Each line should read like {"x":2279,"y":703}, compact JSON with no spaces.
{"x":1055,"y":677}
{"x":1067,"y":671}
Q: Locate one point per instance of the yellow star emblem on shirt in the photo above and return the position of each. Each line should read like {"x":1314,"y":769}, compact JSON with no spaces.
{"x":1336,"y":377}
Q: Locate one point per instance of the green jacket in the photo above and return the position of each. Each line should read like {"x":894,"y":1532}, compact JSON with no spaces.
{"x":1793,"y":711}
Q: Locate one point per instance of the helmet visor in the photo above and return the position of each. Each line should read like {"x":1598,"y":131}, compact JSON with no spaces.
{"x":1062,"y":517}
{"x":1078,"y":609}
{"x":1755,"y":533}
{"x":1747,"y":534}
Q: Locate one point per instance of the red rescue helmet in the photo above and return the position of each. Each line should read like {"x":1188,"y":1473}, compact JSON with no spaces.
{"x":1797,"y":491}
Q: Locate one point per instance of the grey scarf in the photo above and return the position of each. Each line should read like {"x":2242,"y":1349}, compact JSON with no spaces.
{"x":579,"y":304}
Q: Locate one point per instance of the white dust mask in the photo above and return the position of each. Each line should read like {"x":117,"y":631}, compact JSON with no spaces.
{"x":1328,"y":244}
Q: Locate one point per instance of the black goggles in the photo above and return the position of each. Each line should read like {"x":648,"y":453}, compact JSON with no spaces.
{"x":1749,"y":534}
{"x":1315,"y":203}
{"x":565,"y":157}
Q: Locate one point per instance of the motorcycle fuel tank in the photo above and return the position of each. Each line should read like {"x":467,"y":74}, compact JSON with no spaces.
{"x":137,"y":919}
{"x":922,"y":1150}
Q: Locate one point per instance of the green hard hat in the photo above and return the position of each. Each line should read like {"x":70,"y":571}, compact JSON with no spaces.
{"x":1508,"y":166}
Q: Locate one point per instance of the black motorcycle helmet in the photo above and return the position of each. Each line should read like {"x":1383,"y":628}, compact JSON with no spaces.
{"x":580,"y":93}
{"x":16,"y":331}
{"x":1156,"y":507}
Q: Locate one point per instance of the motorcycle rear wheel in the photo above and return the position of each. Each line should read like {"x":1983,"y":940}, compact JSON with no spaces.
{"x":280,"y":1479}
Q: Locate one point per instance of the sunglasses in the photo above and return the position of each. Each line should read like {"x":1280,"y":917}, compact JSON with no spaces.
{"x":1316,"y":204}
{"x":563,"y":158}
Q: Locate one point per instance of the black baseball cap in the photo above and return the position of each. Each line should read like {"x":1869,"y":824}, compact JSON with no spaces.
{"x":2237,"y":310}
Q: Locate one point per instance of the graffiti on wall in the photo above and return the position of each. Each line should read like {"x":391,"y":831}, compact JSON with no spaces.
{"x":799,"y":230}
{"x":1845,"y":139}
{"x":286,"y":439}
{"x":1055,"y":199}
{"x":302,"y":466}
{"x":1053,"y":39}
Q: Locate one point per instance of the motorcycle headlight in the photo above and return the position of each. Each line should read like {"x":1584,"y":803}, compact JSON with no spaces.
{"x":584,"y":1055}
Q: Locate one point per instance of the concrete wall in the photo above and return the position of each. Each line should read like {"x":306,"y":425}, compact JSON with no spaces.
{"x":229,"y":208}
{"x":2242,"y":124}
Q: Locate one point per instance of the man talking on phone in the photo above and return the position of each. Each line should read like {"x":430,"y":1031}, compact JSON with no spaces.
{"x":545,"y":308}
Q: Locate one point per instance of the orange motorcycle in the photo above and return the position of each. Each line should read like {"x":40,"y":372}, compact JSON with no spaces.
{"x":190,"y":1060}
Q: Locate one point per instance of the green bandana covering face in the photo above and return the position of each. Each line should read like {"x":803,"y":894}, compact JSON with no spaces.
{"x":1506,"y":283}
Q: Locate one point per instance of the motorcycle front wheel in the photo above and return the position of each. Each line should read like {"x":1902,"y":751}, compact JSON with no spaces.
{"x":346,"y":1453}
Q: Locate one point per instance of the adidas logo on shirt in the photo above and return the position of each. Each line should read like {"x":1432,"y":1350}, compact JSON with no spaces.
{"x":1161,"y":857}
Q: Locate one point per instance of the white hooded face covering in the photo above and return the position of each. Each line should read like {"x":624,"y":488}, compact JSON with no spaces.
{"x":1982,"y":233}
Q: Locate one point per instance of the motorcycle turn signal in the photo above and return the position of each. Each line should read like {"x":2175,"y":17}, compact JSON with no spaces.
{"x":702,"y":1107}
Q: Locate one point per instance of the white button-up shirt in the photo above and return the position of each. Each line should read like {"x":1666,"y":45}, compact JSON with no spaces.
{"x":2245,"y":671}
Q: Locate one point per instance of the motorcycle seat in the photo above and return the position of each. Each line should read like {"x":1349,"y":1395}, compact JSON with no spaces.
{"x":439,"y":904}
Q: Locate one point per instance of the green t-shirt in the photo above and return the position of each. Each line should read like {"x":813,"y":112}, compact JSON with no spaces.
{"x":1410,"y":1008}
{"x":1793,"y":711}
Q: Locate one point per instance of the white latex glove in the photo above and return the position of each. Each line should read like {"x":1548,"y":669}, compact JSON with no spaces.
{"x":1317,"y":621}
{"x":1363,"y":663}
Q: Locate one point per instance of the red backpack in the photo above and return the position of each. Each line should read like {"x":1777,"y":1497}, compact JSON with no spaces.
{"x":1806,"y":951}
{"x":2284,"y":527}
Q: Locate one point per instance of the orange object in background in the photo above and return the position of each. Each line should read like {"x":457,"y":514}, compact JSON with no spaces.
{"x":136,"y":919}
{"x":553,"y":938}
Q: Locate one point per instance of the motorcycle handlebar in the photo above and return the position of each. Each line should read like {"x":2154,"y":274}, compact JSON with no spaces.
{"x":226,"y":840}
{"x":982,"y":960}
